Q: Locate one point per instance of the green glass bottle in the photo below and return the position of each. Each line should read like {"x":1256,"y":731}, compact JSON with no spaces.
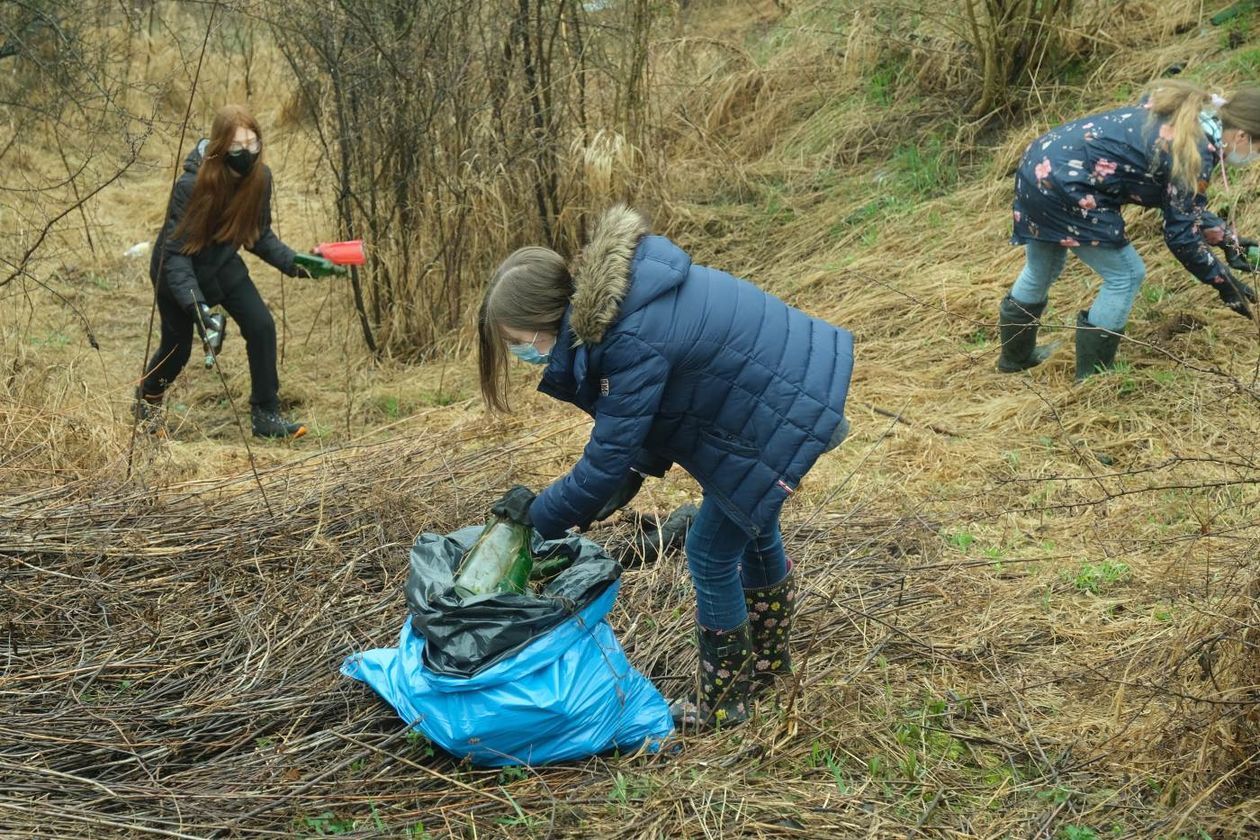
{"x":499,"y":561}
{"x":1253,"y":255}
{"x":1231,"y":12}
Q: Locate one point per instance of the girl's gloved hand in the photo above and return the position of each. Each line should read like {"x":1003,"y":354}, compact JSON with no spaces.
{"x":514,"y":505}
{"x":309,"y":265}
{"x":1236,"y":248}
{"x":626,"y":491}
{"x":210,"y":325}
{"x":1235,"y":294}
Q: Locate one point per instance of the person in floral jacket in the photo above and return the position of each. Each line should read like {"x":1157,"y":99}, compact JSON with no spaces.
{"x":1069,"y":190}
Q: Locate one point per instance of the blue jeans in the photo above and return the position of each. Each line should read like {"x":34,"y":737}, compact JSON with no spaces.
{"x":838,"y":436}
{"x":1121,"y":269}
{"x":723,"y":560}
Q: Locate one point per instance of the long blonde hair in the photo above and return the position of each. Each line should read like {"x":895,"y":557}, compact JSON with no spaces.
{"x":1179,"y":103}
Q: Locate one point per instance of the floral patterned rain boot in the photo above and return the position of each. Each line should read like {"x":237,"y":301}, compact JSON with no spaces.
{"x":725,"y":685}
{"x":770,"y":619}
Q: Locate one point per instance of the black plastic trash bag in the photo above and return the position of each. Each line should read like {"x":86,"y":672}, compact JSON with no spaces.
{"x":465,"y":635}
{"x":508,"y":679}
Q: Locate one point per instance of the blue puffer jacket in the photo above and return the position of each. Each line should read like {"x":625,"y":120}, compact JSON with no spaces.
{"x":1073,"y":181}
{"x":681,"y":363}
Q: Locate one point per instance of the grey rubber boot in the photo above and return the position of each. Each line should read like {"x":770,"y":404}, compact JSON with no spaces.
{"x":1017,"y":327}
{"x":724,"y":690}
{"x":770,"y":619}
{"x":1095,"y":347}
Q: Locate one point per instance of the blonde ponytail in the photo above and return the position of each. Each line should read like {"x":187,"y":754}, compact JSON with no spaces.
{"x":1179,"y":104}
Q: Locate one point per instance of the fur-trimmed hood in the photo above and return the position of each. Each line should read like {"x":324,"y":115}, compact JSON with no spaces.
{"x":683,"y":363}
{"x":601,"y":273}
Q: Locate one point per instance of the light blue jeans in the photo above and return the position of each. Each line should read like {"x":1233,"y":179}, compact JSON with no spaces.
{"x":1121,"y":269}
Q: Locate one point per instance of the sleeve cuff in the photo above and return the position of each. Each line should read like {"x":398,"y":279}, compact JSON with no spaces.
{"x":647,"y":464}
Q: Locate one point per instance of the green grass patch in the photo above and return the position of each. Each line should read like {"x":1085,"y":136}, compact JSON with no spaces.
{"x":927,"y":168}
{"x":512,"y":774}
{"x":389,"y":406}
{"x":417,"y":741}
{"x":629,"y":789}
{"x":881,"y":85}
{"x":50,"y":339}
{"x":977,"y":340}
{"x":1096,"y":578}
{"x":327,"y":824}
{"x":1076,"y":832}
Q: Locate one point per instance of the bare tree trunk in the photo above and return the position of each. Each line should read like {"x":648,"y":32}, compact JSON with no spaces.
{"x":450,"y":111}
{"x":1011,"y":39}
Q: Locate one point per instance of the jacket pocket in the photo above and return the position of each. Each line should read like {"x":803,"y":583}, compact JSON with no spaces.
{"x":729,"y":442}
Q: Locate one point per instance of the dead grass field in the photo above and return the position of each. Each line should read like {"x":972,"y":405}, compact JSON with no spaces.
{"x":1030,"y":608}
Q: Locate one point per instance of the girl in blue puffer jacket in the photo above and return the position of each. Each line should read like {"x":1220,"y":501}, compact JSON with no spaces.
{"x":1069,"y":191}
{"x":678,"y":363}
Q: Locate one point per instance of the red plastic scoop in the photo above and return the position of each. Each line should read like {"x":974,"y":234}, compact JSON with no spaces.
{"x":343,"y":253}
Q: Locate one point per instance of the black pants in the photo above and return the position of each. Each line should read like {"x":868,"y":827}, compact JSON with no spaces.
{"x":258,"y":328}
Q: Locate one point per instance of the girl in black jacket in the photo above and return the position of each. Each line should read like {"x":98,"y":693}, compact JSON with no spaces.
{"x":221,"y":203}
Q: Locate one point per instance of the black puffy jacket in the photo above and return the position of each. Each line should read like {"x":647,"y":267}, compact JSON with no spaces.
{"x":193,"y":278}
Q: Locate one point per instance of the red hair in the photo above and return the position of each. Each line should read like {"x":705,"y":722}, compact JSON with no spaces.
{"x":225,"y":207}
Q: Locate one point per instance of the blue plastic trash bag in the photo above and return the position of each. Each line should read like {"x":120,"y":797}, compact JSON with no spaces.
{"x":532,"y":679}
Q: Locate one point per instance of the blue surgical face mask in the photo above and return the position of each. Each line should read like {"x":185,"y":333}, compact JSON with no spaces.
{"x":1240,"y":158}
{"x":528,"y":353}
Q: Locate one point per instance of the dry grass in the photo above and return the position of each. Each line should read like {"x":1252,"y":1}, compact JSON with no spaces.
{"x":1030,"y":608}
{"x":172,"y":655}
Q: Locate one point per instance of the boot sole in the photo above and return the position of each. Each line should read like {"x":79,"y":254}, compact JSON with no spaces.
{"x":299,"y":433}
{"x":1001,"y":368}
{"x":1081,"y":377}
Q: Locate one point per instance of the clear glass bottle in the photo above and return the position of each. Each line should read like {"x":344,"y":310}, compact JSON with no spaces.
{"x":499,"y":561}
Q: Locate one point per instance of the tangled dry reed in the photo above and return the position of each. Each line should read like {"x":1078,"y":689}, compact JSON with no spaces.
{"x":171,"y":657}
{"x":171,"y":670}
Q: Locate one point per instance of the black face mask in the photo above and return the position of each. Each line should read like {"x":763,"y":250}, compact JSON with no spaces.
{"x":243,"y":161}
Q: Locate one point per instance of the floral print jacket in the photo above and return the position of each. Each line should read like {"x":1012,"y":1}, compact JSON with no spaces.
{"x":1072,"y":182}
